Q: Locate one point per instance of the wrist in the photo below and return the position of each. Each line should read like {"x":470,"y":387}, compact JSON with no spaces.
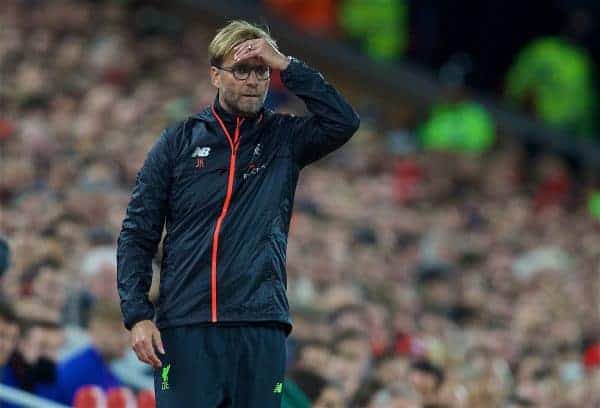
{"x":285,"y":62}
{"x":139,"y":323}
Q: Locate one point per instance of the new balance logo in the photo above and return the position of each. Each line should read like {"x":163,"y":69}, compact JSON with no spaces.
{"x":201,"y":152}
{"x":278,"y":388}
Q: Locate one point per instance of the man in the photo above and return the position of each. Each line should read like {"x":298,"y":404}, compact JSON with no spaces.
{"x":43,"y":291}
{"x":32,"y":366}
{"x":91,"y":365}
{"x":224,"y":182}
{"x":426,"y":378}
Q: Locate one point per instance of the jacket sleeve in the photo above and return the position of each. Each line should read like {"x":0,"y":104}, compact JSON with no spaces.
{"x":332,"y":121}
{"x":142,"y":230}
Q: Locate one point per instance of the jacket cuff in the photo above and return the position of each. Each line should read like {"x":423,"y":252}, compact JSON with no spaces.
{"x":293,"y":71}
{"x":143,"y":311}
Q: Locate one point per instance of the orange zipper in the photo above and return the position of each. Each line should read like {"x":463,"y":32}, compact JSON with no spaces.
{"x":233,"y":144}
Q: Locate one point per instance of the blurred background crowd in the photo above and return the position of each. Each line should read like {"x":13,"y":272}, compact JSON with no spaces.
{"x":437,"y":260}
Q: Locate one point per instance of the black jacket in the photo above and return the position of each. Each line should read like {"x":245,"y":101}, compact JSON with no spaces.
{"x":225,"y":187}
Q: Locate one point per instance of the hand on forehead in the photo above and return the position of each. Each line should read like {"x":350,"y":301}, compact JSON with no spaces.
{"x":228,"y":61}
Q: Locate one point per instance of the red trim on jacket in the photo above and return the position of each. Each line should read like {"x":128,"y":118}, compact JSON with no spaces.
{"x":234,"y":144}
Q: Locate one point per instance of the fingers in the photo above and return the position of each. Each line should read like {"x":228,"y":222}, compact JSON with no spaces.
{"x":158,"y":342}
{"x":144,"y":350}
{"x":244,"y":45}
{"x":262,"y":49}
{"x":248,"y":49}
{"x":245,"y":54}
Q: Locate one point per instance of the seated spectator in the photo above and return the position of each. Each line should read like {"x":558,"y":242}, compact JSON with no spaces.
{"x":332,"y":396}
{"x":313,"y":354}
{"x":310,"y":382}
{"x":9,"y":332}
{"x":426,"y":378}
{"x":98,"y":271}
{"x":351,"y":360}
{"x":32,"y":367}
{"x":90,"y":366}
{"x":365,"y":393}
{"x":44,"y":291}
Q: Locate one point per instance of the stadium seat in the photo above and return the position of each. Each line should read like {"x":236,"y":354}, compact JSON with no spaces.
{"x":90,"y":396}
{"x":120,"y":398}
{"x":145,"y":399}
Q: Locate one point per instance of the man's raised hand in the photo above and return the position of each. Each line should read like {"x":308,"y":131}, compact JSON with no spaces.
{"x":260,"y":48}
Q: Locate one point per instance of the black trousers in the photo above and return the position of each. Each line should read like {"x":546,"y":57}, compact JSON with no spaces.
{"x":217,"y":366}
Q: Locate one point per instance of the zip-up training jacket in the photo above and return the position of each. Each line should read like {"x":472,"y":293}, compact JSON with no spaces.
{"x":225,"y":187}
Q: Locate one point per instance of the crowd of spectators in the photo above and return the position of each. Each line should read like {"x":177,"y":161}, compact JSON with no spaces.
{"x":415,"y":277}
{"x":541,"y":59}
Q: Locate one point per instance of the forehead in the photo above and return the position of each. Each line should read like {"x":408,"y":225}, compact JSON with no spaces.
{"x":48,"y":334}
{"x":315,"y":348}
{"x":228,"y":60}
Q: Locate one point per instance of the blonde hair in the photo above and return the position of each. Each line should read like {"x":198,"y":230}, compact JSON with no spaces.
{"x":235,"y":32}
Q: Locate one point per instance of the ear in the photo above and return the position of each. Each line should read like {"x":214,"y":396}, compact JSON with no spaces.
{"x":215,"y":77}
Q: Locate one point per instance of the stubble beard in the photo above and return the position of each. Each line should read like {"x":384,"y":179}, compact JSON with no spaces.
{"x":243,"y":106}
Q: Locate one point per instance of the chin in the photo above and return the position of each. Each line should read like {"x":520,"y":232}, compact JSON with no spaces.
{"x":249,"y":111}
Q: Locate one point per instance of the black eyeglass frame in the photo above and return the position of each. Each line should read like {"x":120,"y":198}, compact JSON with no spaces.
{"x":231,"y":69}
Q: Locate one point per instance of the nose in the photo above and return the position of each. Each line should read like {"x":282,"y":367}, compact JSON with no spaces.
{"x":252,"y":78}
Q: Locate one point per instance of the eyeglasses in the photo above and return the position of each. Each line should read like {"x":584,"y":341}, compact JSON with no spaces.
{"x":241,"y":72}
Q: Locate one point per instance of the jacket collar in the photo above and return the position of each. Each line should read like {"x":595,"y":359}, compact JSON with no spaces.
{"x":229,"y":119}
